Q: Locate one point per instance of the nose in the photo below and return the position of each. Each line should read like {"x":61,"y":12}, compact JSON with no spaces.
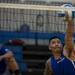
{"x":56,"y":44}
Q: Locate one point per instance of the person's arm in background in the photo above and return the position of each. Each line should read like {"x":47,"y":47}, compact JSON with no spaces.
{"x":11,"y":63}
{"x":48,"y":70}
{"x":13,"y":66}
{"x":69,"y":44}
{"x":6,"y":54}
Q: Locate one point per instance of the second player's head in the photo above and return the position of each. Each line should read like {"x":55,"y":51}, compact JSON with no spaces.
{"x":55,"y":44}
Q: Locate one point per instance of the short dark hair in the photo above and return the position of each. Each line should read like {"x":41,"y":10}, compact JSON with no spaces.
{"x":53,"y":38}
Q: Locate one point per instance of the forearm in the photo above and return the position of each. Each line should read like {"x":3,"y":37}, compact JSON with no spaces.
{"x":69,"y":30}
{"x":12,"y":64}
{"x":69,"y":38}
{"x":9,"y":54}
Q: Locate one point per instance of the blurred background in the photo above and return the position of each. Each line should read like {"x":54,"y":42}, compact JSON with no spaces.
{"x":27,"y":32}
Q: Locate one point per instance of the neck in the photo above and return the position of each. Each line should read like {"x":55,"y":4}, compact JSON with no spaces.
{"x":57,"y":56}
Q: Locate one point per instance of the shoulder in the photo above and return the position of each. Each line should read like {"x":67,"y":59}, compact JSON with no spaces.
{"x":48,"y":64}
{"x":48,"y":70}
{"x":48,"y":61}
{"x":3,"y":48}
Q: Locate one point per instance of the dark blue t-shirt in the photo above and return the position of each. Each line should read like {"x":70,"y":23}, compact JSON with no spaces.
{"x":62,"y":66}
{"x":2,"y":62}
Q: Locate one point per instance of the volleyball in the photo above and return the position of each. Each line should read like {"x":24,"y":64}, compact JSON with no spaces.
{"x":66,"y":15}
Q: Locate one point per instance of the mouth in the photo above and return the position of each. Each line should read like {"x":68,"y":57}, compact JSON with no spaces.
{"x":57,"y":48}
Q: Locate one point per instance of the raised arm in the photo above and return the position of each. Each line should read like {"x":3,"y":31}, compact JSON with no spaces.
{"x":69,"y":44}
{"x":48,"y":70}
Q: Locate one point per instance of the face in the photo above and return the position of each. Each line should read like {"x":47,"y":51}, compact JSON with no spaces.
{"x":55,"y":45}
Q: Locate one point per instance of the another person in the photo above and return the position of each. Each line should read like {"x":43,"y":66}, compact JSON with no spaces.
{"x":11,"y":64}
{"x":5,"y":54}
{"x":62,"y":62}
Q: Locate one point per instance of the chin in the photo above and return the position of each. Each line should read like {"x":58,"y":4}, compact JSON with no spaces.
{"x":57,"y":51}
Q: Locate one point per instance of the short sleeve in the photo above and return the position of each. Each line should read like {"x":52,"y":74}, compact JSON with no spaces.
{"x":3,"y":50}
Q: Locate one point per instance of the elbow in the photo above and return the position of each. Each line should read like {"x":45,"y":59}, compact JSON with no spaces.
{"x":10,"y":54}
{"x":10,"y":57}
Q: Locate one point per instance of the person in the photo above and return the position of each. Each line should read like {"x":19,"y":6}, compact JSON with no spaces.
{"x":62,"y":61}
{"x":4,"y":55}
{"x":11,"y":66}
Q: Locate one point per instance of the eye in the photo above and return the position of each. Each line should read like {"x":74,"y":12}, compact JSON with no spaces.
{"x":53,"y":42}
{"x":58,"y":42}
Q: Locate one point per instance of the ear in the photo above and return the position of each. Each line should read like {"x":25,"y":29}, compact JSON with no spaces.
{"x":49,"y":47}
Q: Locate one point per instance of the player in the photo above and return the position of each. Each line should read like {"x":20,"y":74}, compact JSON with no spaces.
{"x":11,"y":64}
{"x":61,"y":63}
{"x":4,"y":55}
